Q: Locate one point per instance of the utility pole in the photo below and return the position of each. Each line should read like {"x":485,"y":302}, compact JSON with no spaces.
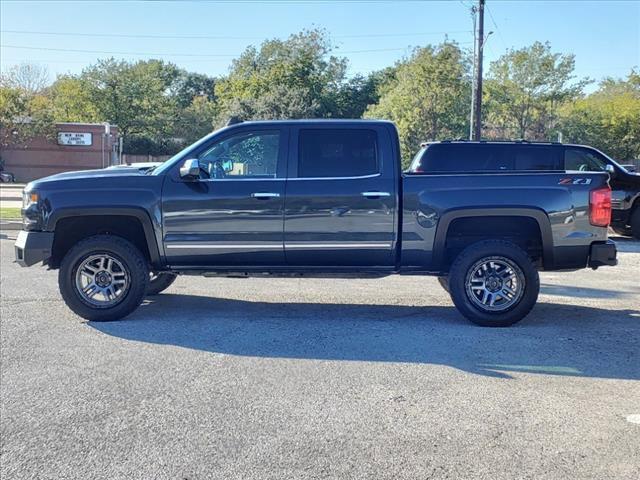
{"x":477,"y":104}
{"x":472,"y":110}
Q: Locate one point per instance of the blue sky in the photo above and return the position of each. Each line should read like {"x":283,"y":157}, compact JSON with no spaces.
{"x":604,"y":35}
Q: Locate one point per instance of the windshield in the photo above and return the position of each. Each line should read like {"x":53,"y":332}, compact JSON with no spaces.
{"x":167,"y":164}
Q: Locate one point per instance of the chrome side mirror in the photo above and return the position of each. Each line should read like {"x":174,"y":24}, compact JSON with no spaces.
{"x":190,"y":168}
{"x":610,"y":169}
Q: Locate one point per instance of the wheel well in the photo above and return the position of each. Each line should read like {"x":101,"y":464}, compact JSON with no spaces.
{"x":71,"y":230}
{"x":523,"y":231}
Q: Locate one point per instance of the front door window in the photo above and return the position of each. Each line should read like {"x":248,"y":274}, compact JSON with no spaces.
{"x":245,"y":155}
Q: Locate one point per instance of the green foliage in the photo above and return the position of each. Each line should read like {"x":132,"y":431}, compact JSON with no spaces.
{"x":189,"y":85}
{"x":427,"y":96}
{"x":608,"y":119}
{"x":71,"y":101}
{"x":157,"y":106}
{"x":23,"y":115}
{"x":196,"y":120}
{"x":524,"y":89}
{"x":529,"y":93}
{"x":133,"y":96}
{"x":292,"y":78}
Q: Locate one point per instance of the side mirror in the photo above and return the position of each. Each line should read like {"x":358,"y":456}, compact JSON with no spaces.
{"x":190,"y":168}
{"x":610,"y":169}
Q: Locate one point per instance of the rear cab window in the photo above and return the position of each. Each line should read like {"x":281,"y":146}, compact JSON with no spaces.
{"x":326,"y":153}
{"x":485,"y":157}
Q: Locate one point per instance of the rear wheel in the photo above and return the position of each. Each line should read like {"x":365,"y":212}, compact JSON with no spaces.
{"x":103,"y":278}
{"x":159,"y":282}
{"x":494,"y":283}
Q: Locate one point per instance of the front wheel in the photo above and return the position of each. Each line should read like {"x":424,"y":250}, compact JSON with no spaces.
{"x":494,"y":283}
{"x":635,"y":223}
{"x":103,"y":278}
{"x":444,"y":283}
{"x":159,"y":282}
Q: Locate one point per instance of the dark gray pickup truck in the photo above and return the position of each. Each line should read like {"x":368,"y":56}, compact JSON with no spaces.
{"x":318,"y":198}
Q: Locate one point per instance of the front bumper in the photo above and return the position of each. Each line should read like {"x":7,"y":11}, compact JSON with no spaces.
{"x":603,"y":254}
{"x":33,"y":247}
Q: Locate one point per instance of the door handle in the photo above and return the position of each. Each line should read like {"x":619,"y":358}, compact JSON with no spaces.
{"x":264,"y":195}
{"x":375,"y":194}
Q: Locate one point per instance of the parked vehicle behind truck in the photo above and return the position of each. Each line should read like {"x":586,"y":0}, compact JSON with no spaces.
{"x":317,"y":198}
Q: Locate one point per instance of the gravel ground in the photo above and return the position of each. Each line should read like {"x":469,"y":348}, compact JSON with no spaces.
{"x":309,"y":378}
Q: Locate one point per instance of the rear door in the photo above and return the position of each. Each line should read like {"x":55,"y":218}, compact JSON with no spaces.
{"x":341,"y":198}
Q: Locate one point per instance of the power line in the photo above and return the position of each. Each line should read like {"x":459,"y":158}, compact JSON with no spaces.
{"x":108,"y":52}
{"x":504,"y":44}
{"x":190,"y":55}
{"x":216,"y":37}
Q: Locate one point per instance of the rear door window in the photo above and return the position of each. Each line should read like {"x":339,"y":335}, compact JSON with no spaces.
{"x":328,"y":153}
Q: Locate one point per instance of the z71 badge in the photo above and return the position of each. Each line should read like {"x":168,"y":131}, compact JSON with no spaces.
{"x":575,"y":181}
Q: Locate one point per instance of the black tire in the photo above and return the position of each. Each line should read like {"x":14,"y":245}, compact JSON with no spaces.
{"x":444,"y":283}
{"x":121,"y":252}
{"x":635,"y":223}
{"x":623,"y":231}
{"x":159,"y":282}
{"x":517,"y":266}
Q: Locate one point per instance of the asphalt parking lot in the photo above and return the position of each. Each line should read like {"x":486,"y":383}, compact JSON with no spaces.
{"x":309,"y":378}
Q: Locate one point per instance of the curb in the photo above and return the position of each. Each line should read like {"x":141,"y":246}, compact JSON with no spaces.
{"x":9,"y":225}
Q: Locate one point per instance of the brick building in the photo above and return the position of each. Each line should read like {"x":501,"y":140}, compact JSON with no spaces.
{"x":78,"y":146}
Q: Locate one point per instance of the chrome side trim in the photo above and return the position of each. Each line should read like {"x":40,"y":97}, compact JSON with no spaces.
{"x":265,"y":195}
{"x":337,"y":245}
{"x":373,"y":175}
{"x":243,"y":179}
{"x":376,"y":194}
{"x":221,"y":246}
{"x":288,"y":245}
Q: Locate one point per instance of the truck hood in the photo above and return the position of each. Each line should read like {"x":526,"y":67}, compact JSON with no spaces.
{"x":105,"y":172}
{"x":89,"y":176}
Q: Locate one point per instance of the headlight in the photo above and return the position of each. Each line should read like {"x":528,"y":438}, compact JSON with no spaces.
{"x":29,"y":198}
{"x":31,"y":214}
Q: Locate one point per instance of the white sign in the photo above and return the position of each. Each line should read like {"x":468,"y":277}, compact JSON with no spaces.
{"x":74,"y":138}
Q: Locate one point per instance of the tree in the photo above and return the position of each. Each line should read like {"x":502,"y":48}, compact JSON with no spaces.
{"x":189,"y":85}
{"x":196,"y":120}
{"x":353,"y":97}
{"x":29,"y":77}
{"x":290,"y":78}
{"x":524,"y":89}
{"x":71,"y":100}
{"x":23,"y":115}
{"x":608,"y":119}
{"x":427,"y":96}
{"x":152,"y":102}
{"x":134,"y":96}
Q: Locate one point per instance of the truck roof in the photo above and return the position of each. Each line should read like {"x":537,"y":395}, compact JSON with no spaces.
{"x":311,"y":121}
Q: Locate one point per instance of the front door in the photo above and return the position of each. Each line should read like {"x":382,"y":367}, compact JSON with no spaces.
{"x":233,"y":214}
{"x":340,"y":207}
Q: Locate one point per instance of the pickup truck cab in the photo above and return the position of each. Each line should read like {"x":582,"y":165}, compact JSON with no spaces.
{"x":313,"y":197}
